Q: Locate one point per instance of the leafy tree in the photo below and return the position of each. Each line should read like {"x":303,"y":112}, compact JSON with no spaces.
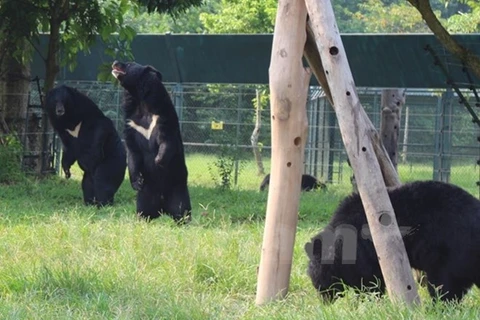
{"x":188,"y":22}
{"x":241,"y":16}
{"x":396,"y":17}
{"x":172,"y":7}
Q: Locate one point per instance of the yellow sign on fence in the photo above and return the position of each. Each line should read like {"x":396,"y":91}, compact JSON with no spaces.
{"x":217,"y":125}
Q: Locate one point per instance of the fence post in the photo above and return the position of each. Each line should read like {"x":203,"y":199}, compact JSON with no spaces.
{"x":311,"y":138}
{"x":237,"y":139}
{"x":178,"y":101}
{"x":443,"y":137}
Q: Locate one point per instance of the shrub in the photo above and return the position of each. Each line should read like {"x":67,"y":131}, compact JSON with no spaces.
{"x":10,"y":159}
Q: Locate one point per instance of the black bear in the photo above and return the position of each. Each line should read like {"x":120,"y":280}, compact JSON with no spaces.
{"x":308,"y":183}
{"x":440,"y":226}
{"x":89,"y":138}
{"x":155,"y":155}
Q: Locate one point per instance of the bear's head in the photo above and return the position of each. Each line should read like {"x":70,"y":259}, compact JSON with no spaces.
{"x":59,"y":102}
{"x":325,"y":267}
{"x":66,"y":107}
{"x":131,"y":74}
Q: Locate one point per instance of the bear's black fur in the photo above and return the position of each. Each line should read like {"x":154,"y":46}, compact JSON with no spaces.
{"x":440,"y":226}
{"x":89,"y":138}
{"x":308,"y":183}
{"x":156,"y":160}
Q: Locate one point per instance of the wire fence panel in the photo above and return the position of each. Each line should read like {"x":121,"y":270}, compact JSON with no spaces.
{"x":437,"y":140}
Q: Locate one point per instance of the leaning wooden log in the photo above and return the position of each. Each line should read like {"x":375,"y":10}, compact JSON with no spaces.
{"x":315,"y":63}
{"x":289,"y":82}
{"x":357,"y":138}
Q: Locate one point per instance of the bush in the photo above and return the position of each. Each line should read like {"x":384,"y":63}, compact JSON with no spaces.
{"x":10,"y":160}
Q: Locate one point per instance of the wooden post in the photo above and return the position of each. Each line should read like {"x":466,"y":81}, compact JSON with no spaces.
{"x":357,"y":137}
{"x":289,"y":83}
{"x":392,"y":103}
{"x":256,"y":133}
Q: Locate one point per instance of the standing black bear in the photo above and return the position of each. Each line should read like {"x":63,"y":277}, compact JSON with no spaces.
{"x":440,"y":225}
{"x":89,"y":138}
{"x":308,"y":183}
{"x":155,"y":156}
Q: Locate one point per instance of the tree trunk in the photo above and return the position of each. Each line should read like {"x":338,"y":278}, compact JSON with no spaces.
{"x":289,"y":83}
{"x":392,"y":103}
{"x":46,"y":165}
{"x":256,"y":133}
{"x":14,"y":91}
{"x":357,"y":137}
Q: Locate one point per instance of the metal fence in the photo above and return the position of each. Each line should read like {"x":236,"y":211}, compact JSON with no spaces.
{"x":437,"y":138}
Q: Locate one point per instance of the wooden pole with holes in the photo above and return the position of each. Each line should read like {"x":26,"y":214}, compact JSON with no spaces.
{"x":357,"y":136}
{"x":289,"y":83}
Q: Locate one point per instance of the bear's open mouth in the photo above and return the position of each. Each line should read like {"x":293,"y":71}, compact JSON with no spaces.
{"x":116,"y":72}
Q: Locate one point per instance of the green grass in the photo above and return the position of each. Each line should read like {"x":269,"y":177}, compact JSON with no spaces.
{"x":62,"y":260}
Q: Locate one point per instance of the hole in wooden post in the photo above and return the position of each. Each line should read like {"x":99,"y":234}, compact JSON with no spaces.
{"x":297,"y":141}
{"x":289,"y":164}
{"x":409,"y":287}
{"x":333,"y":51}
{"x":326,"y":71}
{"x":273,"y":117}
{"x":385,"y":219}
{"x":348,"y":93}
{"x":364,"y":149}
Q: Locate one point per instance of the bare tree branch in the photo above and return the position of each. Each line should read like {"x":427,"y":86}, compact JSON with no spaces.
{"x":471,"y":60}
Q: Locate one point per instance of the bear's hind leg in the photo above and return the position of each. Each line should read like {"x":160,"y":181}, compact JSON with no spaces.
{"x":149,"y":203}
{"x":88,"y":189}
{"x":177,"y":204}
{"x":446,"y":287}
{"x":105,"y":189}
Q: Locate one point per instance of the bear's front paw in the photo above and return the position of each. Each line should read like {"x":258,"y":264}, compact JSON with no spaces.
{"x":137,"y":184}
{"x":158,"y":161}
{"x":67,"y":173}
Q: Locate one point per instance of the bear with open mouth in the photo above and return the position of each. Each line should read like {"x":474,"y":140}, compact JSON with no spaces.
{"x":155,"y":153}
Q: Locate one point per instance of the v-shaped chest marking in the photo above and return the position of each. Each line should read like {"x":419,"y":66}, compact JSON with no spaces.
{"x":146,"y":132}
{"x":74,"y":133}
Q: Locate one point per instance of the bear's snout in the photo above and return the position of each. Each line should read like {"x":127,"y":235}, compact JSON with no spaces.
{"x":59,"y":110}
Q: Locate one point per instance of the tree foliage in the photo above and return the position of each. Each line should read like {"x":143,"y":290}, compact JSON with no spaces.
{"x":241,"y":16}
{"x":172,"y":7}
{"x":188,"y":22}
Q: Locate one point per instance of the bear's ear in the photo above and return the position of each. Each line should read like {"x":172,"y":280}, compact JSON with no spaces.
{"x":313,"y":248}
{"x":152,"y":69}
{"x":317,"y":246}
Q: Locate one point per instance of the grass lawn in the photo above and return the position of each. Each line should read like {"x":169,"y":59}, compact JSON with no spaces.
{"x":62,"y":260}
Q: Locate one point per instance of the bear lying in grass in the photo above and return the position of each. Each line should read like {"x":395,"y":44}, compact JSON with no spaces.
{"x":308,"y":183}
{"x":90,"y":138}
{"x":440,"y":226}
{"x":156,"y":159}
